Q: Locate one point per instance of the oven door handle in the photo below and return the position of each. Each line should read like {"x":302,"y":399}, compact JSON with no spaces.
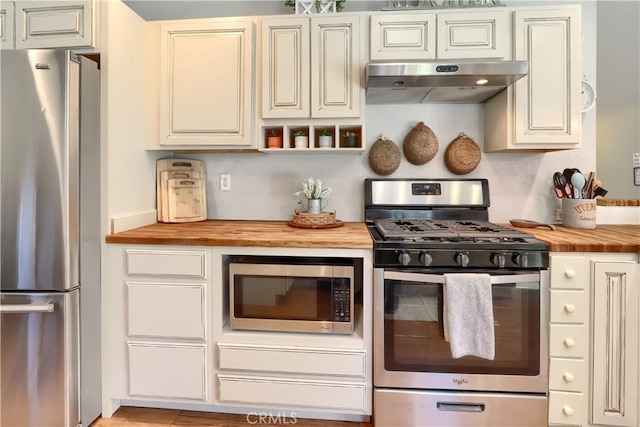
{"x":439,"y":278}
{"x":460,"y":407}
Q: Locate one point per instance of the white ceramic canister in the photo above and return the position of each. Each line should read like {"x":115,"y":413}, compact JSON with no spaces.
{"x":579,"y":213}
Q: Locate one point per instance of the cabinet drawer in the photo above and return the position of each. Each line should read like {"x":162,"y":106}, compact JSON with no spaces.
{"x":310,"y":361}
{"x":568,"y":306}
{"x":403,"y":36}
{"x":166,"y":263}
{"x":567,"y":408}
{"x":278,"y":392}
{"x":47,"y":24}
{"x":170,"y":310}
{"x":472,"y":35}
{"x":569,"y":272}
{"x":172,"y":371}
{"x":568,"y":341}
{"x":568,"y":375}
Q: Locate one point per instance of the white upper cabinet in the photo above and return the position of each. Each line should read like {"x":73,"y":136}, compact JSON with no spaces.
{"x":311,"y":67}
{"x":50,"y":24}
{"x":285,"y":68}
{"x":541,"y":111}
{"x":472,"y":35}
{"x":206,"y":84}
{"x":403,"y":36}
{"x":6,"y":25}
{"x":430,"y":36}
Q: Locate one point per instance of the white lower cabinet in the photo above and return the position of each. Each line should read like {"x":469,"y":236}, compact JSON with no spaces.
{"x":303,"y":393}
{"x":614,"y":397}
{"x":161,"y":340}
{"x":594,"y":296}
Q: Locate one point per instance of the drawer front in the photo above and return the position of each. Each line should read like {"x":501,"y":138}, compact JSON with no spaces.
{"x":568,"y":375}
{"x":403,"y":36}
{"x":569,"y":272}
{"x":170,"y":371}
{"x":567,"y":408}
{"x":188,"y":264}
{"x":473,"y":35}
{"x":43,"y":24}
{"x":568,"y":306}
{"x":169,"y":310}
{"x":278,"y":392}
{"x":309,"y":361}
{"x":568,"y":341}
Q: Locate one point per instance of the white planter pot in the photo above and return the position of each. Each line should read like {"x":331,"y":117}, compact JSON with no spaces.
{"x":301,"y":141}
{"x":326,"y":141}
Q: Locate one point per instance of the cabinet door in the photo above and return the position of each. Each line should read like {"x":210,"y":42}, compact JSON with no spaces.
{"x":171,"y":371}
{"x":51,"y":24}
{"x":547,"y":100}
{"x":6,"y":25}
{"x":472,"y":35}
{"x":285,"y":68}
{"x":206,"y":84}
{"x":335,"y":67}
{"x":403,"y":36}
{"x":615,"y":344}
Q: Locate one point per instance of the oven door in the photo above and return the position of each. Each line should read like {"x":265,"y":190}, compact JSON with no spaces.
{"x":411,"y":351}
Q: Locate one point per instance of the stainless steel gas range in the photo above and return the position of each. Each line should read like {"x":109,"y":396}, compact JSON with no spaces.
{"x":431,"y":238}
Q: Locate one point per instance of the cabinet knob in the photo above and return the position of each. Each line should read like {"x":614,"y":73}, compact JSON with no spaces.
{"x":568,"y":377}
{"x":569,"y":273}
{"x":569,"y":308}
{"x":569,"y":342}
{"x":568,"y":410}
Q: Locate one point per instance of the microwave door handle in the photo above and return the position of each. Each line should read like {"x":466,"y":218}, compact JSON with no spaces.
{"x":439,"y":278}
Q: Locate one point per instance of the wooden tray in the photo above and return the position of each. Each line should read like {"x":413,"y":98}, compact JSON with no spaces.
{"x":336,"y":224}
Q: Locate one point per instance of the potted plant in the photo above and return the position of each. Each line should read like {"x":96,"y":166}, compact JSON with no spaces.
{"x":315,"y":192}
{"x":274,"y":140}
{"x":326,"y":140}
{"x":321,"y":5}
{"x":350,"y":139}
{"x":301,"y":139}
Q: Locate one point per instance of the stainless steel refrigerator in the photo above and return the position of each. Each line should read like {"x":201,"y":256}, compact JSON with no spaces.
{"x":50,"y":239}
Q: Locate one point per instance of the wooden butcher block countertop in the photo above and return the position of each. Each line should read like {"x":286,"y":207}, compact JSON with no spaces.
{"x":604,"y":238}
{"x":353,"y":235}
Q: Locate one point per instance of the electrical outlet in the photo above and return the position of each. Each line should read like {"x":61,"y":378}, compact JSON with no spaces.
{"x":225,"y":182}
{"x":559,"y":214}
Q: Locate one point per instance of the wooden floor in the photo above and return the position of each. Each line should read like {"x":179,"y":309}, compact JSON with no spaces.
{"x":139,"y":417}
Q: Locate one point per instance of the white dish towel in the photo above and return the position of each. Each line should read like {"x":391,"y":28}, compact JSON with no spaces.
{"x":468,"y":315}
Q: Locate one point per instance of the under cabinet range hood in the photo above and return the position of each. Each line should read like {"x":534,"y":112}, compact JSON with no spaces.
{"x":439,"y":82}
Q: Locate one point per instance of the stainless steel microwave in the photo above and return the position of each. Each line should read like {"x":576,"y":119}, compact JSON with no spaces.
{"x":293,"y":294}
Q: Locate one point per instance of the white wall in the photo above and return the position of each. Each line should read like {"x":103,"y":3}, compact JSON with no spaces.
{"x":263,"y":184}
{"x":618,"y":103}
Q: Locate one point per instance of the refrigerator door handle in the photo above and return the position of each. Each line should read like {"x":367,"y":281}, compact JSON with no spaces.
{"x":26,"y":308}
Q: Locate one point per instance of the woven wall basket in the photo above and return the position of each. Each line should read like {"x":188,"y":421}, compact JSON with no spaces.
{"x":384,"y":156}
{"x":462,"y":155}
{"x":420,"y":145}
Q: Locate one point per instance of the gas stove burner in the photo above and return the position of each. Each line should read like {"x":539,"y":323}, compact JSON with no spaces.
{"x":444,"y":224}
{"x":451,"y":230}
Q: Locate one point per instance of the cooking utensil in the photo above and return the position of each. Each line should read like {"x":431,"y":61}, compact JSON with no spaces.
{"x":525,"y":223}
{"x":560,"y":182}
{"x":578,"y":182}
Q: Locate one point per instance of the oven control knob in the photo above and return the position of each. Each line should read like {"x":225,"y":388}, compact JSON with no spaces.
{"x":425,"y":259}
{"x":462,"y":258}
{"x":404,"y":258}
{"x":520,"y":259}
{"x":497,"y":259}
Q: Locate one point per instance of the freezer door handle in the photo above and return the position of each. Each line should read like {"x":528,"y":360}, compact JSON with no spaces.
{"x":26,"y":308}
